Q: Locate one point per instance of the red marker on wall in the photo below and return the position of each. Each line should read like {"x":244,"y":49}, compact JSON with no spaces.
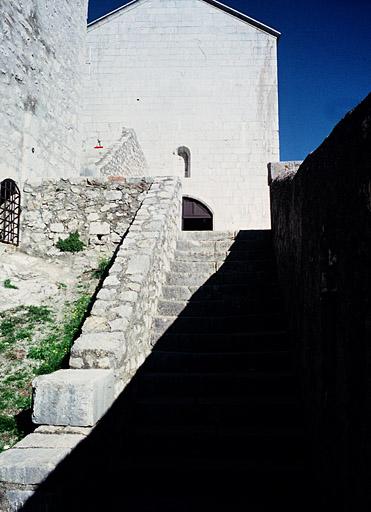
{"x":99,"y":145}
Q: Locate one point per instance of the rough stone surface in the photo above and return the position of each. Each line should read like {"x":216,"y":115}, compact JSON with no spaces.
{"x":117,"y":335}
{"x":16,"y":499}
{"x":41,"y":62}
{"x":100,"y":210}
{"x":29,"y":465}
{"x":98,"y":349}
{"x":40,"y":440}
{"x":321,"y":220}
{"x":72,"y":397}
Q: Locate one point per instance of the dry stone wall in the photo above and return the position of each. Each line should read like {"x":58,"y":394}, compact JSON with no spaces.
{"x":321,"y":221}
{"x":100,"y":210}
{"x":41,"y":60}
{"x":116,"y":339}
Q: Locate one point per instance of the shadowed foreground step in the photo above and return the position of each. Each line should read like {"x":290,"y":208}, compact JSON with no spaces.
{"x":215,"y":415}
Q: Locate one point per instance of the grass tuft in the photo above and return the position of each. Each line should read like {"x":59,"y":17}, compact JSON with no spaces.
{"x":71,"y":244}
{"x":8,"y":284}
{"x":103,"y":264}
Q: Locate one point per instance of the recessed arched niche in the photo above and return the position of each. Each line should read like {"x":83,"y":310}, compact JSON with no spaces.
{"x":185,"y":153}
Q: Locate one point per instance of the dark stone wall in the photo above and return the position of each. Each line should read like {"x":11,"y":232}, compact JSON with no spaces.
{"x":321,"y":221}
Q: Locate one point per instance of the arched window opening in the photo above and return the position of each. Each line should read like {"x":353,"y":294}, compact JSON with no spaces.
{"x":10,"y":210}
{"x":196,"y":216}
{"x":185,"y":153}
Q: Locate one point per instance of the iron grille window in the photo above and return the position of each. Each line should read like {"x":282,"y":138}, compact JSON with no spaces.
{"x":10,"y":211}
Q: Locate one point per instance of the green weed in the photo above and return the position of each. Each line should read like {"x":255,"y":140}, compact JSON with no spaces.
{"x":102,"y":267}
{"x":71,"y":244}
{"x":8,"y":284}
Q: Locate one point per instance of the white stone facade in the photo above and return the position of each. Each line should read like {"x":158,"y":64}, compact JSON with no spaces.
{"x":41,"y":60}
{"x":187,"y":73}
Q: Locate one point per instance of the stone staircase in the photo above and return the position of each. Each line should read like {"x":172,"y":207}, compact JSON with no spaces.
{"x":215,"y":416}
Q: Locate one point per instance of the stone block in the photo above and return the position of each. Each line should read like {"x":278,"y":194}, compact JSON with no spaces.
{"x":139,"y":264}
{"x":73,"y":397}
{"x":92,"y":217}
{"x":60,"y":441}
{"x":113,"y":195}
{"x":57,"y":228}
{"x":29,"y":466}
{"x":95,"y":324}
{"x":93,"y":348}
{"x":17,"y":498}
{"x":99,"y":228}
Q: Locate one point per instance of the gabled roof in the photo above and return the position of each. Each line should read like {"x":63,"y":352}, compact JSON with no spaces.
{"x":214,"y":3}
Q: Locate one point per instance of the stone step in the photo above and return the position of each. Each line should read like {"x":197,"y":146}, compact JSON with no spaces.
{"x":219,"y":324}
{"x":222,"y":256}
{"x":226,"y":235}
{"x":200,"y":485}
{"x":202,"y":385}
{"x":208,"y":307}
{"x":243,"y":411}
{"x":218,"y":362}
{"x":194,"y":267}
{"x":253,"y":342}
{"x":216,"y":442}
{"x":204,"y":267}
{"x":254,"y":291}
{"x":207,"y":235}
{"x":187,"y":279}
{"x":222,"y":246}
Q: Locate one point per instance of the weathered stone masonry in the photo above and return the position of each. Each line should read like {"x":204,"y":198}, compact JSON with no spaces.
{"x":101,"y":210}
{"x":41,"y":59}
{"x":321,"y":220}
{"x":115,"y":341}
{"x":123,"y":158}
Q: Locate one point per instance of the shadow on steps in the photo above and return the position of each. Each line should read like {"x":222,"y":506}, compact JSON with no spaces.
{"x":213,"y":419}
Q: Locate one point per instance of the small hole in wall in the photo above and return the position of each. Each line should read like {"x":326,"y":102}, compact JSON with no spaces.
{"x":33,"y":150}
{"x":138,"y":99}
{"x":99,"y":237}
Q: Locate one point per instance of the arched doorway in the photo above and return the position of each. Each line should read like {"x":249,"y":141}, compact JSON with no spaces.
{"x":196,"y":216}
{"x":10,"y":210}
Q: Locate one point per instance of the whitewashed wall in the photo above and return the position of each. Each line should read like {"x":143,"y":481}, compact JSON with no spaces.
{"x":184,"y":73}
{"x":41,"y":60}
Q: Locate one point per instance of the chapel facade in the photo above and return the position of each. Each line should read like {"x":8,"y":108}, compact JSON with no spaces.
{"x":197,"y":83}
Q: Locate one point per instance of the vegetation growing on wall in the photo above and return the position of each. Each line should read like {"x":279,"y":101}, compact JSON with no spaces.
{"x":103,"y":265}
{"x":71,"y":244}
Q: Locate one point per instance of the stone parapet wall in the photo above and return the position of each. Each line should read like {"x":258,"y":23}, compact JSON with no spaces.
{"x":117,"y":334}
{"x":321,"y":221}
{"x":41,"y":63}
{"x":100,"y":210}
{"x":115,"y":341}
{"x":124,"y":158}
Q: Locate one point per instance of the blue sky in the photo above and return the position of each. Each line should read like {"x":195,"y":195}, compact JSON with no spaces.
{"x":324,"y":62}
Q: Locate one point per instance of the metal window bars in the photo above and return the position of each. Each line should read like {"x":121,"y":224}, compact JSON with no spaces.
{"x":10,"y":211}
